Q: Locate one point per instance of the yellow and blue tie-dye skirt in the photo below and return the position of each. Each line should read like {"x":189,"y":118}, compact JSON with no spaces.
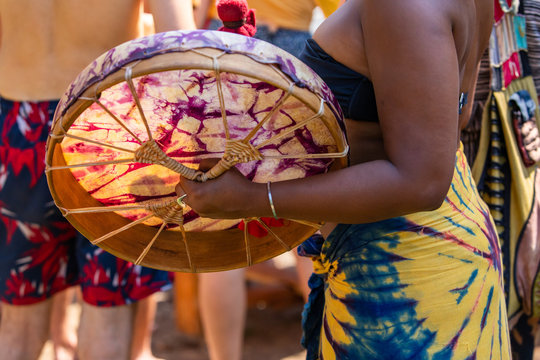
{"x":422,"y":286}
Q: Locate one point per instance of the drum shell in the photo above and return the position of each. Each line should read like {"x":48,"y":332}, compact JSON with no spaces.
{"x":200,"y":250}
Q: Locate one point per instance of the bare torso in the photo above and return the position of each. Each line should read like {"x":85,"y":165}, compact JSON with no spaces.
{"x":335,"y":34}
{"x":46,"y":43}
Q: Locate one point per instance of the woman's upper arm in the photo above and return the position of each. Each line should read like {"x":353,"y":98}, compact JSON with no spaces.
{"x":413,"y":64}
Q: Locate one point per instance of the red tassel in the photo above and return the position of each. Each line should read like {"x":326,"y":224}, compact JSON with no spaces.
{"x":236,"y":17}
{"x":257,"y":230}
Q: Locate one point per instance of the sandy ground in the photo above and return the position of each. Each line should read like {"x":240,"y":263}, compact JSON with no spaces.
{"x":273,"y":324}
{"x":272,"y":332}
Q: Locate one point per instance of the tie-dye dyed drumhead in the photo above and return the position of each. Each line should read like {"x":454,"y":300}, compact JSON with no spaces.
{"x":153,"y":108}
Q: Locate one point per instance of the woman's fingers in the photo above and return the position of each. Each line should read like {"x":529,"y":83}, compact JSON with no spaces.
{"x":215,"y":198}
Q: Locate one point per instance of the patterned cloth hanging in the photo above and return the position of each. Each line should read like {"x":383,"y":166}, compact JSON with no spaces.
{"x":506,"y":164}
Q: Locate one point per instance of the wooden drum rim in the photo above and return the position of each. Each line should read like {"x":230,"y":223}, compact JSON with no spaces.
{"x":205,"y":250}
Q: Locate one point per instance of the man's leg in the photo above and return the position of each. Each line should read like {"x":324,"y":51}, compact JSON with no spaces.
{"x":105,"y":332}
{"x":107,"y":284}
{"x":36,"y":241}
{"x":24,"y":329}
{"x":117,"y":332}
{"x":141,"y":344}
{"x":63,"y":330}
{"x":222,"y":300}
{"x":304,"y":269}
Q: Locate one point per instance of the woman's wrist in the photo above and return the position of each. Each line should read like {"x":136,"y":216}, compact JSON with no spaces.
{"x":259,"y":205}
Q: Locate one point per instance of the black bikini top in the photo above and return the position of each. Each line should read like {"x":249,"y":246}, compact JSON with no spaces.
{"x":353,"y":91}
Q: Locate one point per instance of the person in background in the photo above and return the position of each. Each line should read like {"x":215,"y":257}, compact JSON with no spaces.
{"x":44,"y":45}
{"x":504,"y":150}
{"x":284,"y":24}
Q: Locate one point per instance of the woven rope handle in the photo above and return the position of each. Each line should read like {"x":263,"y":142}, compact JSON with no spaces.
{"x":150,"y":153}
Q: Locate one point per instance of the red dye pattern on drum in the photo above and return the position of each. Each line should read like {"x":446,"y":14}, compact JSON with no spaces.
{"x":184,"y":116}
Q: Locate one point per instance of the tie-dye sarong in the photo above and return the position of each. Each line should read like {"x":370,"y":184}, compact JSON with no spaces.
{"x":423,"y":286}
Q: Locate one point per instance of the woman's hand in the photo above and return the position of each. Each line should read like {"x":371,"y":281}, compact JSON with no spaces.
{"x":229,"y":196}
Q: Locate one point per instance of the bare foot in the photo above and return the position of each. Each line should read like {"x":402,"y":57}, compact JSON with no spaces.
{"x":146,"y":356}
{"x":67,"y":350}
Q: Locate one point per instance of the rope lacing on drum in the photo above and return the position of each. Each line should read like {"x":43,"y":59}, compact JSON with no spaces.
{"x":239,"y":151}
{"x":170,"y":212}
{"x":150,"y":153}
{"x":215,"y":65}
{"x":235,"y":152}
{"x":128,"y":78}
{"x":267,"y":228}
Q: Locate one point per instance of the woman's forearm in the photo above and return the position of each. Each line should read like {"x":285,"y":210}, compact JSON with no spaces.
{"x":363,"y":193}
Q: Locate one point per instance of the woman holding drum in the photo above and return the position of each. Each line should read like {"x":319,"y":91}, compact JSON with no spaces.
{"x":410,"y":266}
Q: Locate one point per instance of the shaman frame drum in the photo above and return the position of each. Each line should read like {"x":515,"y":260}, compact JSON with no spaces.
{"x":153,"y":108}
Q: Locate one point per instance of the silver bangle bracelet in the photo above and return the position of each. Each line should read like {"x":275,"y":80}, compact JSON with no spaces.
{"x":270,"y":200}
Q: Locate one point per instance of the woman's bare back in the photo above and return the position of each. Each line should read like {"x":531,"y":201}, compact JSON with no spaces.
{"x":46,"y":43}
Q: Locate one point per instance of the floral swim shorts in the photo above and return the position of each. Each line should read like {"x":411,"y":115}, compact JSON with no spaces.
{"x":40,"y":252}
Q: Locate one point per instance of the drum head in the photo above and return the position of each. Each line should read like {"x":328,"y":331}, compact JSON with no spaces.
{"x":151,"y":109}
